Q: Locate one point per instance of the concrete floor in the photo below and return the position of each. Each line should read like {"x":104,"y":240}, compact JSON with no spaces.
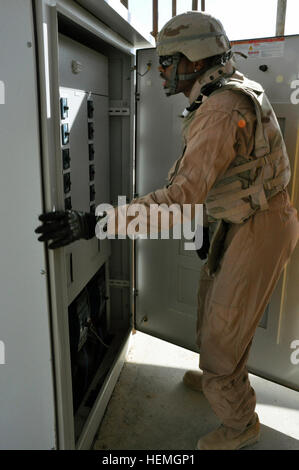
{"x":150,"y":408}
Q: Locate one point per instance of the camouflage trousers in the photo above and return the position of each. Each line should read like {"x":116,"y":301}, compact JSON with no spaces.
{"x":232,"y":301}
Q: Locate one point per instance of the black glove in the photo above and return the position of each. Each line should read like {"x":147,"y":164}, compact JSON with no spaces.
{"x":66,"y":227}
{"x":204,"y":250}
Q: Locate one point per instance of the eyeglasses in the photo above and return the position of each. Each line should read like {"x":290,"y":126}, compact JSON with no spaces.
{"x":166,"y":60}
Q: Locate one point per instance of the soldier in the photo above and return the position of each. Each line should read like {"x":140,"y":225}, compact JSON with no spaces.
{"x":235,"y":163}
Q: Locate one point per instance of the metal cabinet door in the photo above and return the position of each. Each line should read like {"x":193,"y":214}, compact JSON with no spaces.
{"x":274,"y":62}
{"x":27,"y":398}
{"x":167,"y":275}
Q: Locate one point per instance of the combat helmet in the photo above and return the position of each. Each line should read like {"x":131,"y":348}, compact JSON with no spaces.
{"x":196,"y":35}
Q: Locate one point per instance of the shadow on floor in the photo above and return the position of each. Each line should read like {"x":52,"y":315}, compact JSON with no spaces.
{"x":151,"y":409}
{"x":274,"y":440}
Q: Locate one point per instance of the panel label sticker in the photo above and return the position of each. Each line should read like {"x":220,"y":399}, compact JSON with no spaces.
{"x":270,"y":47}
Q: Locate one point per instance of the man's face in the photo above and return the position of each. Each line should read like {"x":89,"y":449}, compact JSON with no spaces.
{"x":184,"y":67}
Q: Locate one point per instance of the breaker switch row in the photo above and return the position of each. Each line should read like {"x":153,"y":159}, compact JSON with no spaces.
{"x":68,"y":203}
{"x":91,"y":151}
{"x":65,"y":134}
{"x":66,"y":159}
{"x":92,"y":192}
{"x":67,"y":182}
{"x":90,"y":130}
{"x":91,"y":172}
{"x":90,"y":109}
{"x":64,"y":108}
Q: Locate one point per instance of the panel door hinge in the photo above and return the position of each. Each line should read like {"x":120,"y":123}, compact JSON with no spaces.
{"x":118,"y":283}
{"x":119,"y":108}
{"x":119,"y":111}
{"x":137,"y":96}
{"x":135,"y":292}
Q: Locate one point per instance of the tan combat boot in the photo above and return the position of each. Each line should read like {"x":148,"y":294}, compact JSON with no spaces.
{"x":193,"y":379}
{"x":225,"y":438}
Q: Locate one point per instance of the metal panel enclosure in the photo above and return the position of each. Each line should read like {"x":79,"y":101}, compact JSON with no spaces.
{"x":83,"y":80}
{"x":75,"y":68}
{"x":274,"y":63}
{"x":26,"y":378}
{"x":166,"y":275}
{"x":54,"y":107}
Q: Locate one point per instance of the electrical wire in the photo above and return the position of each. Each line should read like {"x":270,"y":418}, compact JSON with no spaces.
{"x":86,"y":367}
{"x":97,"y":336}
{"x":149,"y":65}
{"x":91,"y":325}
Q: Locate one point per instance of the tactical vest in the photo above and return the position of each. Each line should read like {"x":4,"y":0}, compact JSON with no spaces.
{"x":185,"y":126}
{"x":251,"y":180}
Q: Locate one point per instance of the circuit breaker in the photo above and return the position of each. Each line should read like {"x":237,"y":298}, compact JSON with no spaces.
{"x":85,"y":172}
{"x":84,"y":103}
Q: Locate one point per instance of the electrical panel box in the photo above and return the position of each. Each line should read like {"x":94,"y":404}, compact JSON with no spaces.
{"x":68,"y":335}
{"x":84,"y":104}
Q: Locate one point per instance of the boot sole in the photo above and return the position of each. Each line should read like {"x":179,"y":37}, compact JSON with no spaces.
{"x":191,"y":386}
{"x":250,"y":442}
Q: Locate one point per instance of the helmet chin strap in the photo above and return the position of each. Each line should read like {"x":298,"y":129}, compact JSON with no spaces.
{"x":210,"y":81}
{"x":208,"y":77}
{"x":174,"y":77}
{"x":215,"y":75}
